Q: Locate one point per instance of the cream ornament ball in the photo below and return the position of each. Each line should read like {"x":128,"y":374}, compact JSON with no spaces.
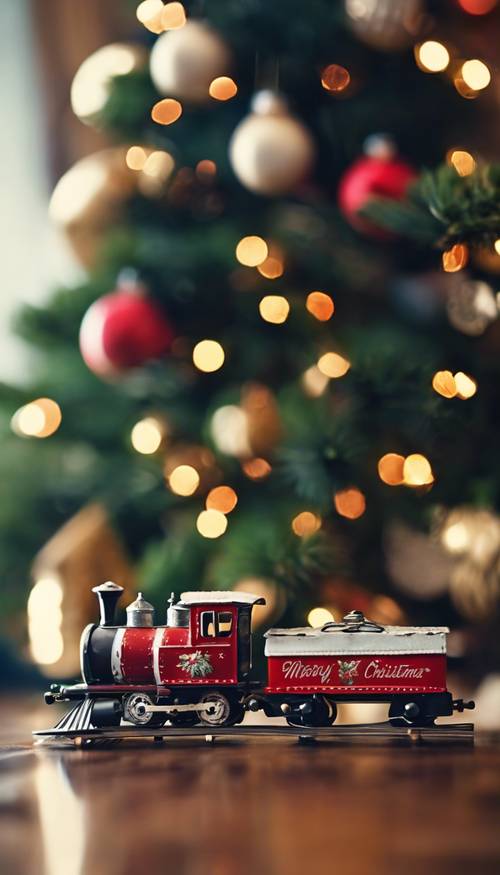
{"x":271,"y":151}
{"x":184,"y":62}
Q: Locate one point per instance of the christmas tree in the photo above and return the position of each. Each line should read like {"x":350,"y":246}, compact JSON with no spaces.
{"x":280,"y":374}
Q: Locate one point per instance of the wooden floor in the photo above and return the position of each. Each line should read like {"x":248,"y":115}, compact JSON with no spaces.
{"x":245,"y":807}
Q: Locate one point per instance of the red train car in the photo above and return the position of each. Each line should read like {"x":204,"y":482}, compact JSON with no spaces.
{"x":196,"y":667}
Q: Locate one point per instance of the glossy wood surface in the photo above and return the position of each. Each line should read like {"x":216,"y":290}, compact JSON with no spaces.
{"x":245,"y":807}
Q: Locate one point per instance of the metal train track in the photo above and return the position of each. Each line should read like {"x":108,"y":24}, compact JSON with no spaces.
{"x":442,"y":732}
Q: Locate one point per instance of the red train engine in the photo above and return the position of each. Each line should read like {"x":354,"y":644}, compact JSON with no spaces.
{"x":195,"y":669}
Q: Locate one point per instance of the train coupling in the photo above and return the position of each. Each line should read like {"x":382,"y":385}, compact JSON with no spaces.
{"x":460,"y":706}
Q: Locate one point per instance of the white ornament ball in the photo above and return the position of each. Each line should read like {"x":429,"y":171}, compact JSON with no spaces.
{"x":184,"y":62}
{"x":270,"y":150}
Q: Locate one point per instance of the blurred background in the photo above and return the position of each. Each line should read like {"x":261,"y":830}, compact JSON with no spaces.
{"x":249,"y":320}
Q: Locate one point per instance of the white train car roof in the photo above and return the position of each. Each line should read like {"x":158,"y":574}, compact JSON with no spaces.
{"x":336,"y":642}
{"x":222,"y":596}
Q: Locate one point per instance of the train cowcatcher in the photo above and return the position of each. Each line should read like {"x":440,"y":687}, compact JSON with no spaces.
{"x":195,"y":669}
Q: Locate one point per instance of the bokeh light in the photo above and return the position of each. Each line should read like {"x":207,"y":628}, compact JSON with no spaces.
{"x":184,"y":480}
{"x":147,"y":435}
{"x":314,"y":382}
{"x":208,"y":356}
{"x":306,"y":523}
{"x":256,"y":469}
{"x":390,"y":469}
{"x":45,"y":620}
{"x":206,"y":170}
{"x":475,"y":74}
{"x":333,"y":365}
{"x":465,"y":385}
{"x":417,"y":470}
{"x":222,"y":498}
{"x":149,"y":13}
{"x":456,"y":258}
{"x":166,"y":111}
{"x":319,"y":616}
{"x":91,"y":85}
{"x":40,"y":418}
{"x":443,"y":382}
{"x":478,"y":7}
{"x":135,"y":158}
{"x":223,"y":88}
{"x":335,"y":78}
{"x":211,"y":523}
{"x":274,"y":309}
{"x":350,"y":503}
{"x":463,"y":162}
{"x":173,"y":16}
{"x":251,"y":251}
{"x":432,"y":56}
{"x":320,"y":305}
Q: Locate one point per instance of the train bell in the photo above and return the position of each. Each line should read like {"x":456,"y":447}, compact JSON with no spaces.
{"x":140,"y":612}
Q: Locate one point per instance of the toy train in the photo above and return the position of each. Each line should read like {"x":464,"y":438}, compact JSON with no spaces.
{"x":195,"y":669}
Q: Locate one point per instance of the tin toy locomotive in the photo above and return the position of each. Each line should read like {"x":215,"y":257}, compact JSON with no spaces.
{"x":195,"y":669}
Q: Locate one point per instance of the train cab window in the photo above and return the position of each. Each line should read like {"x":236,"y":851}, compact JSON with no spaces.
{"x":216,"y":624}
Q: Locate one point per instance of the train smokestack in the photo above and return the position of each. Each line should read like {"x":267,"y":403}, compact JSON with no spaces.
{"x":108,"y":594}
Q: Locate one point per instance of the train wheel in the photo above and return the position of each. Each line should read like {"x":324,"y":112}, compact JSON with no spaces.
{"x":222,"y":711}
{"x":134,"y":710}
{"x":184,"y":718}
{"x":409,"y":712}
{"x":319,"y":711}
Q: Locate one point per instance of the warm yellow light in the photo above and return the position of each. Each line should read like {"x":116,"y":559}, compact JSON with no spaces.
{"x":456,"y":258}
{"x":184,"y":480}
{"x":333,"y":365}
{"x":251,"y":251}
{"x":222,"y":498}
{"x":466,"y":386}
{"x":40,"y":418}
{"x":271,"y":268}
{"x":147,"y":435}
{"x":390,"y":469}
{"x":91,"y":84}
{"x":497,"y":246}
{"x":256,"y":469}
{"x":208,"y":356}
{"x":211,"y":523}
{"x":223,"y":88}
{"x":173,"y":16}
{"x":314,"y":382}
{"x":417,"y":470}
{"x":476,"y":74}
{"x":319,"y":616}
{"x":135,"y":158}
{"x":463,"y":162}
{"x":274,"y":308}
{"x":306,"y":524}
{"x":443,"y":382}
{"x":456,"y":538}
{"x":350,"y":503}
{"x":158,"y":164}
{"x":149,"y":13}
{"x":44,"y":621}
{"x":206,"y":169}
{"x":166,"y":111}
{"x":320,"y":305}
{"x":432,"y":56}
{"x":335,"y":78}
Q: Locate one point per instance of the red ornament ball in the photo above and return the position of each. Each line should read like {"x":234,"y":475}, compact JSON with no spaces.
{"x":123,"y":330}
{"x":371,"y":177}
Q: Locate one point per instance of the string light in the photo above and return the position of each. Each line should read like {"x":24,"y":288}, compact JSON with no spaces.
{"x":223,"y":88}
{"x":465,"y":385}
{"x":432,"y":56}
{"x":206,"y":169}
{"x":335,"y":78}
{"x":333,"y":365}
{"x":149,"y":13}
{"x":350,"y":503}
{"x":320,"y":305}
{"x":456,"y":258}
{"x":135,"y":158}
{"x":184,"y":480}
{"x":208,"y":356}
{"x":319,"y":616}
{"x":390,"y":469}
{"x":45,"y":620}
{"x":230,"y":429}
{"x":222,"y":498}
{"x":274,"y":265}
{"x":173,"y":16}
{"x":463,"y":162}
{"x":256,"y":469}
{"x":274,"y":309}
{"x":314,"y":382}
{"x":40,"y":418}
{"x":251,"y":251}
{"x":158,"y":164}
{"x":147,"y":435}
{"x":306,"y":524}
{"x":475,"y":74}
{"x":166,"y":111}
{"x":443,"y":382}
{"x":211,"y":523}
{"x":417,"y":470}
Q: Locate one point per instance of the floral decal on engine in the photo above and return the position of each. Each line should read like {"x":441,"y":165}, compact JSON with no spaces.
{"x":196,"y":665}
{"x":348,"y":671}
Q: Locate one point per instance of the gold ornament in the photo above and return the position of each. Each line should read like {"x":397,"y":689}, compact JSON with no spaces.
{"x":91,"y":85}
{"x":388,"y":25}
{"x":184,"y":62}
{"x":90,"y":197}
{"x":270,"y":150}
